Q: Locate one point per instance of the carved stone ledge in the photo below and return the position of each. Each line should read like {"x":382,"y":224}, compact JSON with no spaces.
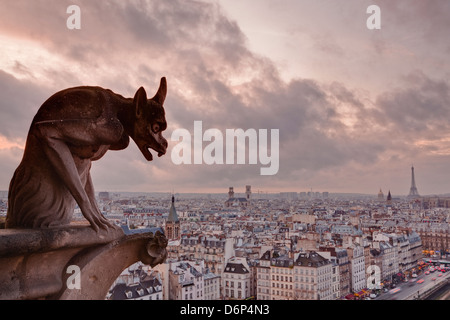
{"x":34,"y":263}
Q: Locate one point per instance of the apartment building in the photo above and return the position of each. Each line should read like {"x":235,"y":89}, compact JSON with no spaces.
{"x":340,"y":255}
{"x":312,"y":277}
{"x":136,"y":284}
{"x":186,"y":282}
{"x":357,"y":267}
{"x":211,"y":286}
{"x":282,"y":278}
{"x":236,"y":279}
{"x":435,"y":237}
{"x":263,"y":277}
{"x":214,"y":250}
{"x":335,"y":280}
{"x":384,"y":255}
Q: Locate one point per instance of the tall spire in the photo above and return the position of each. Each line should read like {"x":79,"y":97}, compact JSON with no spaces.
{"x":172,"y":217}
{"x":172,"y":228}
{"x":413,"y":193}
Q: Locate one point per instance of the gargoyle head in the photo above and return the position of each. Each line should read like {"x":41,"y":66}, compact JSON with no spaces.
{"x":156,"y":249}
{"x":150,"y":121}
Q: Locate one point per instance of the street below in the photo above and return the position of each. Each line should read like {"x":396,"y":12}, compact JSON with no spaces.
{"x":415,"y":286}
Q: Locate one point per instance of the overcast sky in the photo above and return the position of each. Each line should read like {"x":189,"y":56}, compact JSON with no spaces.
{"x":355,"y":108}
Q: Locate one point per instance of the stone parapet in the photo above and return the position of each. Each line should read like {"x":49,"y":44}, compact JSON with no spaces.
{"x":71,"y":262}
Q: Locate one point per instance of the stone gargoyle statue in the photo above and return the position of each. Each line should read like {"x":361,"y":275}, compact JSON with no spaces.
{"x":70,"y":130}
{"x":156,"y":249}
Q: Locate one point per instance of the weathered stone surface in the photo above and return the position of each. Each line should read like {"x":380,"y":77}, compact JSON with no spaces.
{"x":70,"y":130}
{"x":21,"y":241}
{"x":34,"y":263}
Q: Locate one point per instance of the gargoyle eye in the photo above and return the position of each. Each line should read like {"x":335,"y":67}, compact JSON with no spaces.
{"x":155,"y":128}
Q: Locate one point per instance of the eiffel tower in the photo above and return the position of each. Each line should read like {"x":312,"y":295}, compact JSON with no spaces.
{"x":413,"y":193}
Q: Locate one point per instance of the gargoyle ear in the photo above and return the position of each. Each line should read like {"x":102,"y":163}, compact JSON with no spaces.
{"x":140,"y":101}
{"x":162,"y":92}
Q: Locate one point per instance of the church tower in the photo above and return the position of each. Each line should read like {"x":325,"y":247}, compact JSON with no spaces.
{"x":173,"y":223}
{"x":389,"y":199}
{"x":248,"y":193}
{"x":231,"y":193}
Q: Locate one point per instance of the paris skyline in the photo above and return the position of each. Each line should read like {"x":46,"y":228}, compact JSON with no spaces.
{"x":355,"y":108}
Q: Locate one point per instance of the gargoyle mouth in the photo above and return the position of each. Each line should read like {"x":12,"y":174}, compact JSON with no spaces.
{"x":148,"y":155}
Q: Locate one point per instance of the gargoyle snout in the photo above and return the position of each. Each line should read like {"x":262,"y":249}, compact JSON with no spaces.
{"x":164,"y":144}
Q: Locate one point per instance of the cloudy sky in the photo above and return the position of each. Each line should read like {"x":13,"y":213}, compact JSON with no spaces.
{"x":355,"y":108}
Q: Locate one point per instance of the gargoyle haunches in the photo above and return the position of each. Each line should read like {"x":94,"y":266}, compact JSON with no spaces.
{"x":70,"y":130}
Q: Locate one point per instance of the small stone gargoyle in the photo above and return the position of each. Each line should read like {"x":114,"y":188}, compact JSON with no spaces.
{"x":70,"y":130}
{"x":156,"y":249}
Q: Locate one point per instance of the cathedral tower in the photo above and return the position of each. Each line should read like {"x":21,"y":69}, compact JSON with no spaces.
{"x":231,"y":193}
{"x":248,"y":192}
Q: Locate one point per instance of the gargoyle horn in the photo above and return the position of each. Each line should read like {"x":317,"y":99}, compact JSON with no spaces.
{"x":162,"y":92}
